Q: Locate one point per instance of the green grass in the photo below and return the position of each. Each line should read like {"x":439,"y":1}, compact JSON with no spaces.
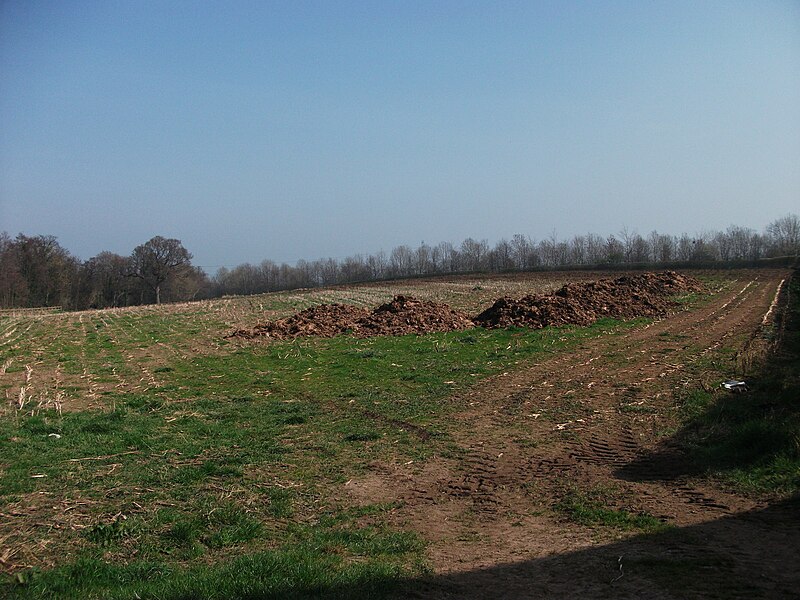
{"x":346,"y":564}
{"x":591,"y":508}
{"x":751,"y":440}
{"x":224,"y":479}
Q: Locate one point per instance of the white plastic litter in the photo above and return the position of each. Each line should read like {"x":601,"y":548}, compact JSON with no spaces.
{"x":735,"y":385}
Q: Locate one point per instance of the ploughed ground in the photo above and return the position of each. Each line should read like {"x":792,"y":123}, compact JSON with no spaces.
{"x":601,"y":417}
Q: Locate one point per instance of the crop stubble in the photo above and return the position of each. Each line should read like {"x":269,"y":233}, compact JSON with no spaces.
{"x":592,"y":418}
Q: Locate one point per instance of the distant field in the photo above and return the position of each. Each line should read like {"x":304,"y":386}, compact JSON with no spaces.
{"x":144,"y":454}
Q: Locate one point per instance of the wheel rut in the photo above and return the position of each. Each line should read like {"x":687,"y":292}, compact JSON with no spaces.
{"x":519,"y":449}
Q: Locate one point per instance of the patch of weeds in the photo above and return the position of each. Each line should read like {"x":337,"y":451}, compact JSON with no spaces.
{"x":212,"y":527}
{"x":527,"y":442}
{"x":692,"y":403}
{"x":291,"y":572}
{"x":184,"y":533}
{"x":41,"y":424}
{"x":208,"y":468}
{"x":280,"y":503}
{"x":637,"y":408}
{"x":106,"y":534}
{"x":472,"y":537}
{"x":365,"y":541}
{"x":354,"y":513}
{"x":162,"y":370}
{"x":230,"y":525}
{"x":104,"y":423}
{"x":363,"y":436}
{"x":246,"y":398}
{"x":591,"y":509}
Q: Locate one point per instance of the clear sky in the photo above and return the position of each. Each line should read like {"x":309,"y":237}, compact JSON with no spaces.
{"x":289,"y":130}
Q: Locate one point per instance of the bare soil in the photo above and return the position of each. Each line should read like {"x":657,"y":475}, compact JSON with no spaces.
{"x":600,"y":418}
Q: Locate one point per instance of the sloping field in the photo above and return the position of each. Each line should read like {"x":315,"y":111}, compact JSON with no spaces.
{"x":144,"y":453}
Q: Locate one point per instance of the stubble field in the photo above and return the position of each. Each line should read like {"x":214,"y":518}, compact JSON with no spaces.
{"x":145,"y":454}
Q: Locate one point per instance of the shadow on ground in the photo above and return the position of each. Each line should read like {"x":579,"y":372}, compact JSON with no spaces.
{"x":750,"y":555}
{"x":748,"y":439}
{"x":752,"y":438}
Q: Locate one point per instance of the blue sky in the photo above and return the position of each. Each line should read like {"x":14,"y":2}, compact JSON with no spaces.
{"x":287,"y":130}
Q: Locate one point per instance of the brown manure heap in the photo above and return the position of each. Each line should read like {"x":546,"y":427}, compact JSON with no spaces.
{"x":401,"y":316}
{"x":626,"y":297}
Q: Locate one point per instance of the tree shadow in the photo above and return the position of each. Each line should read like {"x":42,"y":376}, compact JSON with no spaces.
{"x":750,"y":555}
{"x":751,"y":438}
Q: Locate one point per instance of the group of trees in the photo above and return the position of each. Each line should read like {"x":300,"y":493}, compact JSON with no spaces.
{"x":735,"y":244}
{"x":37,"y":271}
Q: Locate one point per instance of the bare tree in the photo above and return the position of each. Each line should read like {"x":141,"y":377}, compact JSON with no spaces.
{"x":105,"y":282}
{"x":377,"y":265}
{"x":474,"y":254}
{"x":401,"y":261}
{"x":50,"y":272}
{"x":640,"y":249}
{"x":155,"y":261}
{"x":445,"y":258}
{"x":785,"y":235}
{"x":577,"y":250}
{"x":595,"y":249}
{"x":522,"y":251}
{"x":683,"y":247}
{"x":500,"y":258}
{"x":662,"y":247}
{"x":13,"y":287}
{"x":422,"y":260}
{"x":615,"y":250}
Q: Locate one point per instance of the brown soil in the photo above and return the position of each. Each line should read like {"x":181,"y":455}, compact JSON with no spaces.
{"x":595,"y":419}
{"x":625,"y":297}
{"x":401,"y":316}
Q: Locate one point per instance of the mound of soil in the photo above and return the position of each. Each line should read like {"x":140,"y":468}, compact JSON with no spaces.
{"x":576,"y":304}
{"x":401,"y":316}
{"x":405,"y":314}
{"x":582,"y":304}
{"x":325,"y":320}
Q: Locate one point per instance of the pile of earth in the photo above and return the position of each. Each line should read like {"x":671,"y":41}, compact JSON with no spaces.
{"x":626,"y":297}
{"x":401,"y":316}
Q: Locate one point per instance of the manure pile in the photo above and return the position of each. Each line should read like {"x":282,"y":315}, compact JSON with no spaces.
{"x":401,"y":316}
{"x":625,"y":297}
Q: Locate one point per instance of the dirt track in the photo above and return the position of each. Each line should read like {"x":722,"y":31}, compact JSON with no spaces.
{"x":594,"y":417}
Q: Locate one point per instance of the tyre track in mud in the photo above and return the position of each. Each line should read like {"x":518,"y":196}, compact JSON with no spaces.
{"x":497,"y":483}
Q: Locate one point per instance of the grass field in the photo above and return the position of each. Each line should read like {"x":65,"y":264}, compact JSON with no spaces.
{"x":143,"y":454}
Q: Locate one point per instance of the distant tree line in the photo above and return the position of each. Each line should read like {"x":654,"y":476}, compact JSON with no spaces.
{"x":37,"y":271}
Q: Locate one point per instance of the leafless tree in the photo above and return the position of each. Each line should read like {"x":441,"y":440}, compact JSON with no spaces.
{"x":401,"y":261}
{"x":784,"y":235}
{"x":474,"y":254}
